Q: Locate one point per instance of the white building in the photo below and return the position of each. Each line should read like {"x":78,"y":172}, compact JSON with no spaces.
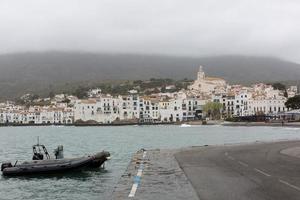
{"x":94,"y":92}
{"x":36,"y":115}
{"x":241,"y":104}
{"x":107,"y":109}
{"x":229,"y":105}
{"x":172,"y":110}
{"x":266,"y":100}
{"x":267,"y":106}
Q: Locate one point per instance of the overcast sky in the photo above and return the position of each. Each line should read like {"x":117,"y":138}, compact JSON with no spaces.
{"x":180,"y":27}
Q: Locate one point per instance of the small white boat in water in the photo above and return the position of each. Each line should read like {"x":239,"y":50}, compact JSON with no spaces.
{"x":185,"y":125}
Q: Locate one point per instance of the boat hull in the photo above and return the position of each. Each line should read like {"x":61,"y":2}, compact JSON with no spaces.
{"x":55,"y":166}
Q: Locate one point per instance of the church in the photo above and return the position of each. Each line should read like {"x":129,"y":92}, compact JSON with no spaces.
{"x":207,"y":85}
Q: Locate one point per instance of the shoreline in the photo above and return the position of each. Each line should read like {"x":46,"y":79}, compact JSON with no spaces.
{"x":267,"y":124}
{"x":83,"y":125}
{"x":192,"y":123}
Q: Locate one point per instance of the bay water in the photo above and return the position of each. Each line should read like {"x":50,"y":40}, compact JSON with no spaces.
{"x":122,"y":142}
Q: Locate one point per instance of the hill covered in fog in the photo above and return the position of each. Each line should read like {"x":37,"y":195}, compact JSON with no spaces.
{"x":36,"y":72}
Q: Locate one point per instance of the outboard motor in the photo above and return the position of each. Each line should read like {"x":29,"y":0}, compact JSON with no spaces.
{"x":59,"y":152}
{"x":100,"y":158}
{"x":5,"y":165}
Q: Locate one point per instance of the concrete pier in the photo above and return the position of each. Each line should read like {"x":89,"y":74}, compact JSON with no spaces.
{"x":157,"y":175}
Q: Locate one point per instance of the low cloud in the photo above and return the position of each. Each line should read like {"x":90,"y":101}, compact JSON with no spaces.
{"x":177,"y":27}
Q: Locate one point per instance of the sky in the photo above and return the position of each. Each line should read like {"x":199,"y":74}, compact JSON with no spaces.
{"x":175,"y":27}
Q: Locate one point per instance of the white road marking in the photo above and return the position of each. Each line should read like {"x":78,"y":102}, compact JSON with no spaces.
{"x":144,"y":154}
{"x":262,"y":172}
{"x":290,"y":185}
{"x":137,"y":178}
{"x":243,"y":164}
{"x":133,"y":190}
{"x":139,"y":172}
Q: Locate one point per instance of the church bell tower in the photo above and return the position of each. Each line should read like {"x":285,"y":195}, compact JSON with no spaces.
{"x":201,"y":74}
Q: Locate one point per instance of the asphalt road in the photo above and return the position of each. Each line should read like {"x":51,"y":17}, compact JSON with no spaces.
{"x":256,"y":171}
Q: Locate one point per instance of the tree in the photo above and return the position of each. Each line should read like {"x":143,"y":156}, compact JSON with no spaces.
{"x":66,"y":100}
{"x":81,"y":92}
{"x":293,"y":102}
{"x":34,"y":97}
{"x":51,"y":94}
{"x":285,"y":94}
{"x":213,"y":109}
{"x":279,"y":86}
{"x":138,"y":82}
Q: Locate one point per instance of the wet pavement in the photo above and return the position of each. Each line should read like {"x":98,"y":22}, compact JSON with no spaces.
{"x":255,"y":171}
{"x":154,"y":174}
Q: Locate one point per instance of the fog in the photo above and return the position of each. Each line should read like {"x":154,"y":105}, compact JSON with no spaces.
{"x":175,"y":27}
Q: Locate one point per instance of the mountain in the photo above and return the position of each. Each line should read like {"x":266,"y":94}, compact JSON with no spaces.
{"x":39,"y":72}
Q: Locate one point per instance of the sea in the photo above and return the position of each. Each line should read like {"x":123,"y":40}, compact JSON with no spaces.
{"x":122,"y":142}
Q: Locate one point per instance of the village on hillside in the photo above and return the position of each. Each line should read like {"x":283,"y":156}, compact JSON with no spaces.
{"x":205,"y":98}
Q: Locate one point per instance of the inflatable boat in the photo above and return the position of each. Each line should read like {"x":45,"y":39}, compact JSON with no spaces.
{"x":39,"y":165}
